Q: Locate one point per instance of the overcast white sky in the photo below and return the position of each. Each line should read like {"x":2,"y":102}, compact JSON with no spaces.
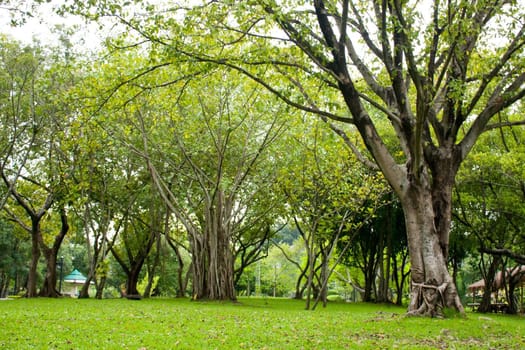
{"x":41,"y":26}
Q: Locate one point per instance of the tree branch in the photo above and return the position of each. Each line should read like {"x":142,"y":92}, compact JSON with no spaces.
{"x":519,"y":258}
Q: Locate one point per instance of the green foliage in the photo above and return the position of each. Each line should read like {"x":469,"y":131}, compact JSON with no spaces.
{"x":141,"y":286}
{"x":489,"y":191}
{"x":14,"y":252}
{"x":252,"y":324}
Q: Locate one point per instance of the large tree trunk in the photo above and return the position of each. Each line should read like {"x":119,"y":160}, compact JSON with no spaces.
{"x":212,"y":253}
{"x":50,"y":279}
{"x":220,"y":272}
{"x":432,"y":287}
{"x":212,"y":268}
{"x":133,"y":279}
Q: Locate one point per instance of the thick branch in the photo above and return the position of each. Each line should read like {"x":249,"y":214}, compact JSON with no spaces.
{"x":519,"y":258}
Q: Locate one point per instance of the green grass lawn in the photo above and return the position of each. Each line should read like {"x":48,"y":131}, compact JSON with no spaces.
{"x":251,"y":324}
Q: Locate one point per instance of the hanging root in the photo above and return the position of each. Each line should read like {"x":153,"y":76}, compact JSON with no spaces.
{"x":430,"y":298}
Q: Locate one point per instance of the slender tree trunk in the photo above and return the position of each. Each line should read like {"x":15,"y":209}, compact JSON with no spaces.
{"x":4,"y":284}
{"x":92,"y":251}
{"x":385,"y":258}
{"x":181,"y":285}
{"x":323,"y":284}
{"x":84,"y":290}
{"x":182,"y":281}
{"x":310,"y":277}
{"x":18,"y":282}
{"x":512,"y":298}
{"x":369,"y":270}
{"x":151,"y":278}
{"x":489,"y":276}
{"x":399,"y":277}
{"x":299,"y":289}
{"x":35,"y":256}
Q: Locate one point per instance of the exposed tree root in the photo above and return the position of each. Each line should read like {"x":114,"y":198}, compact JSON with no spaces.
{"x":429,"y":298}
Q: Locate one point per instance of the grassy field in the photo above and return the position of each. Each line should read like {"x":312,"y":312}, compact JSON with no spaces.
{"x":251,"y":324}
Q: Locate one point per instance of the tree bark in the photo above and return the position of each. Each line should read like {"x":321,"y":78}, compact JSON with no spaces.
{"x":4,"y":284}
{"x":432,"y":287}
{"x":35,"y":256}
{"x":50,"y":254}
{"x":512,"y":298}
{"x":50,"y":279}
{"x":299,"y":285}
{"x":100,"y":287}
{"x":35,"y":231}
{"x":212,"y":267}
{"x":133,"y":279}
{"x":84,"y":290}
{"x":212,"y":252}
{"x":383,"y":294}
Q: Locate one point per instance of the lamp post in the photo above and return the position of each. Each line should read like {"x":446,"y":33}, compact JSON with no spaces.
{"x":61,"y":274}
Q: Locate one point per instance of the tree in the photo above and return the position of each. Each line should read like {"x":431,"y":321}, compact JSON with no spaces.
{"x":18,"y":11}
{"x":428,"y":75}
{"x":140,"y":229}
{"x":227,"y":209}
{"x":379,"y":246}
{"x":33,"y":169}
{"x":327,"y":204}
{"x":427,"y":72}
{"x":204,"y":142}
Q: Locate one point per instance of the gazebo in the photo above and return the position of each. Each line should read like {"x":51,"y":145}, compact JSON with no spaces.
{"x":72,"y":281}
{"x":499,"y":283}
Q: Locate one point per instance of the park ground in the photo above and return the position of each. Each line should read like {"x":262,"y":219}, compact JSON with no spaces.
{"x":253,"y":323}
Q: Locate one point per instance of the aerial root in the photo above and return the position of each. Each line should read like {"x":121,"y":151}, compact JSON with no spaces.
{"x":431,"y":298}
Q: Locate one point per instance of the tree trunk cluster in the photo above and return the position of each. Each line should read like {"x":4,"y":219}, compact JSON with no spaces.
{"x":212,"y":254}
